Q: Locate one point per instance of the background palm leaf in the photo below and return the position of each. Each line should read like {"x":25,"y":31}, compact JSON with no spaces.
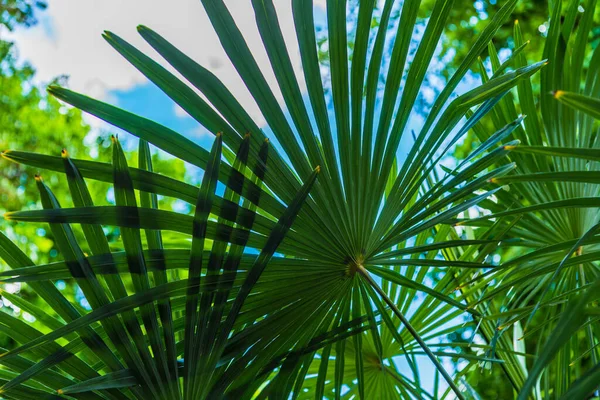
{"x":554,"y":190}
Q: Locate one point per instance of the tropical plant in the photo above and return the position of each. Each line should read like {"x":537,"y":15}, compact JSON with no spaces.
{"x":549,"y":277}
{"x":19,"y":12}
{"x":371,"y":270}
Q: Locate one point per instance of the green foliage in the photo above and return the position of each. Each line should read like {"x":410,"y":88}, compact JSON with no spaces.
{"x":29,"y":119}
{"x":19,"y":12}
{"x":552,"y":193}
{"x":317,"y":266}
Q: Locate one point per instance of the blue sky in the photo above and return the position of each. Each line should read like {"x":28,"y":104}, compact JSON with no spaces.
{"x":68,"y":41}
{"x":149,"y":101}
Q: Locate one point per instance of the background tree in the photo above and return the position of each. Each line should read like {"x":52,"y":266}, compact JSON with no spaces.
{"x":20,"y":12}
{"x":31,"y":119}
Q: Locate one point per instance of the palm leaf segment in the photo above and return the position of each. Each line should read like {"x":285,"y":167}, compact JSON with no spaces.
{"x":358,"y":257}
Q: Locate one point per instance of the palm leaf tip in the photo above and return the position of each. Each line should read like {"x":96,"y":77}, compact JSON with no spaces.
{"x":579,"y":102}
{"x":53,"y":89}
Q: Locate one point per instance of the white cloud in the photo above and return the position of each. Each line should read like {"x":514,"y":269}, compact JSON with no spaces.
{"x":76,"y":48}
{"x":180,"y":112}
{"x":199,"y":133}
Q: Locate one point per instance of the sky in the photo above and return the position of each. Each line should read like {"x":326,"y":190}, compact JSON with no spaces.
{"x":68,"y":41}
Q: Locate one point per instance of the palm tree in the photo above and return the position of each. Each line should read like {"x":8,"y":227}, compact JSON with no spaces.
{"x":280,"y":292}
